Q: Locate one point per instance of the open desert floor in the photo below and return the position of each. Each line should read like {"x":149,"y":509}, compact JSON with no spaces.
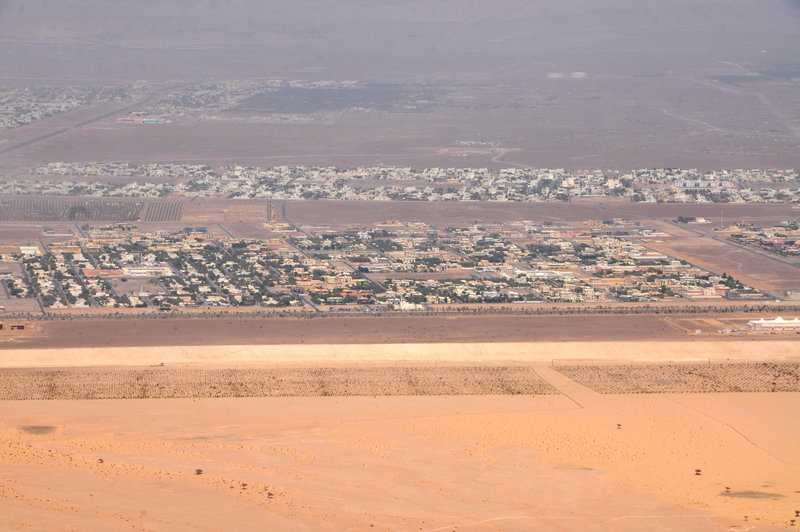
{"x":403,"y":436}
{"x":577,"y":460}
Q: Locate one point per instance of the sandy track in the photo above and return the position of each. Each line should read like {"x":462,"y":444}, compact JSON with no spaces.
{"x":380,"y":354}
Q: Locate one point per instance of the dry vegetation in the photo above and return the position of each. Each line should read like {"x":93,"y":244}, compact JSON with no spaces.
{"x":159,"y":382}
{"x":163,"y":211}
{"x":687,"y":378}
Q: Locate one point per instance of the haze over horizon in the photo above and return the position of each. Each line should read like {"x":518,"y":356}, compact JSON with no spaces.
{"x":705,"y":84}
{"x":399,"y":40}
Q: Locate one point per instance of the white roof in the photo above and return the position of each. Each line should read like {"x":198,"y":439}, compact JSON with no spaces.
{"x":776,"y":320}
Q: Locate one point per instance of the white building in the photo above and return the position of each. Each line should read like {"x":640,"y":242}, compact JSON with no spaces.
{"x":778,"y":324}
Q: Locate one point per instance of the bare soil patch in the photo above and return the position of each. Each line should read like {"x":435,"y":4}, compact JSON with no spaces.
{"x":217,"y":210}
{"x":580,"y":210}
{"x":721,"y":257}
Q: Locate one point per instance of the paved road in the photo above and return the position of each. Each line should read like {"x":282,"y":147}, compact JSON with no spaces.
{"x":120,"y":110}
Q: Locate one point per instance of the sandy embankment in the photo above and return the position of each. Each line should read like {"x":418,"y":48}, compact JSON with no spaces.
{"x":485,"y":353}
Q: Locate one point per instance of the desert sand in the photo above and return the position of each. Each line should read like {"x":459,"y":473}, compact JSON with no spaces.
{"x":575,"y":460}
{"x":299,"y":354}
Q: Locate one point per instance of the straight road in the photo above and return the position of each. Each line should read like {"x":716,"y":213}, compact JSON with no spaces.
{"x":141,"y":101}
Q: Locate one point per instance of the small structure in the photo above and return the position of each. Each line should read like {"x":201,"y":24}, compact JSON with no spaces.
{"x":30,"y":251}
{"x":16,"y":327}
{"x":778,"y":324}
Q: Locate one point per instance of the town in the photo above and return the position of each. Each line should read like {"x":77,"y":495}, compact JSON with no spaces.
{"x":20,"y":106}
{"x":386,"y":266}
{"x":783,"y":239}
{"x":407,"y":184}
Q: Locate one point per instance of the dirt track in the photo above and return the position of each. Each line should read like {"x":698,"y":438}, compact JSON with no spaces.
{"x":344,"y":330}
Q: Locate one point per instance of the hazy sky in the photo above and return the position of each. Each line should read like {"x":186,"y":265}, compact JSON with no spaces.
{"x":575,"y":83}
{"x":391,"y":38}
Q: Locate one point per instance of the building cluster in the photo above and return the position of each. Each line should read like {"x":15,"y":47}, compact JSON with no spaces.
{"x":782,"y":239}
{"x":206,"y":100}
{"x":20,"y":106}
{"x":145,"y":171}
{"x":116,"y":266}
{"x":145,"y":180}
{"x":721,"y":186}
{"x":391,"y":265}
{"x":431,"y":184}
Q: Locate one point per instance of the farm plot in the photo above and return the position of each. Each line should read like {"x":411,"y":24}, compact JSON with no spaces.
{"x":163,"y":211}
{"x":214,"y":210}
{"x":68,"y":209}
{"x":687,"y":378}
{"x":120,"y":383}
